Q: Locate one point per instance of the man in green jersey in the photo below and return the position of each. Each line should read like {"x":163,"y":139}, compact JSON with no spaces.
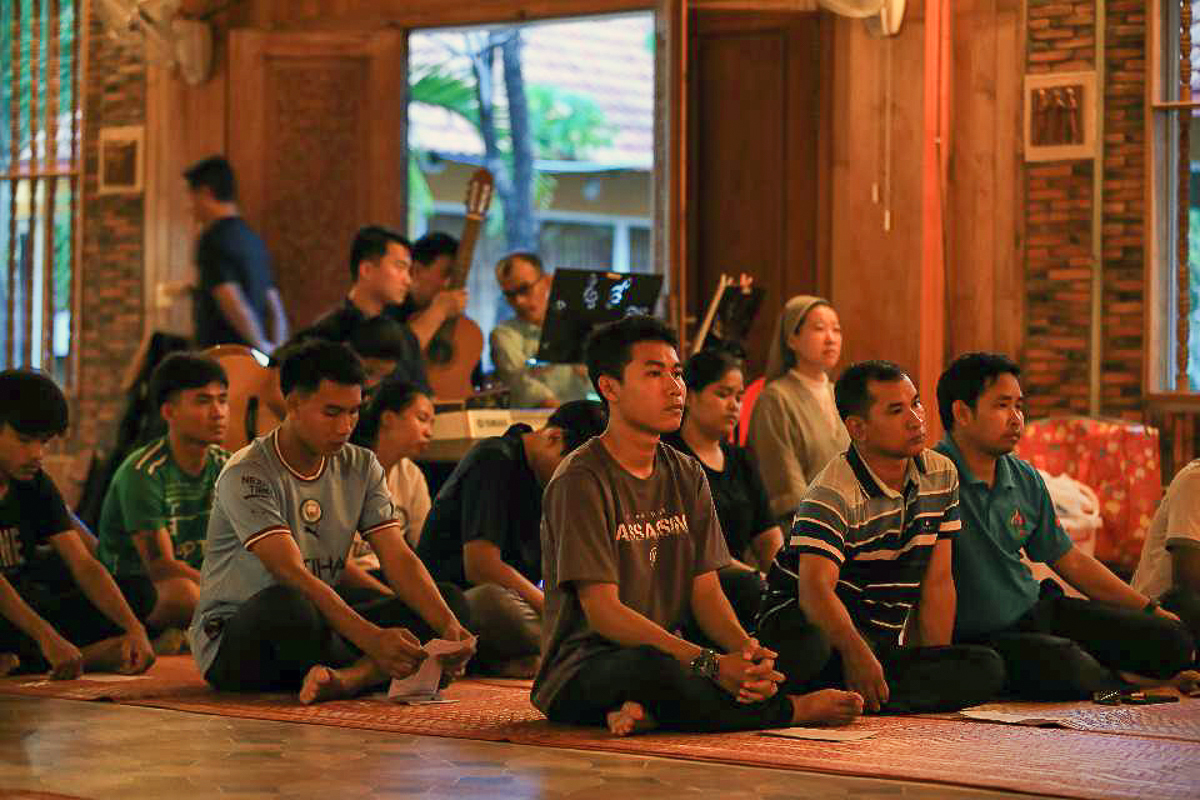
{"x":155,"y":513}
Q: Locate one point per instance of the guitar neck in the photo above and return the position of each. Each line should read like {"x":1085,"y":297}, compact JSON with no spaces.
{"x":466,"y":249}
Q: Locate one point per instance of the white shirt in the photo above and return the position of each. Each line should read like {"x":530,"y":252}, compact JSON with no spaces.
{"x":1176,"y":524}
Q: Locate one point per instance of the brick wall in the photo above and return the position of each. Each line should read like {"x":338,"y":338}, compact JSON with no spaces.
{"x":1123,"y":322}
{"x":111,"y":263}
{"x":1058,"y":218}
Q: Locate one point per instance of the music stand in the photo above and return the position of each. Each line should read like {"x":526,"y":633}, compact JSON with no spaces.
{"x":735,"y":313}
{"x":581,"y":299}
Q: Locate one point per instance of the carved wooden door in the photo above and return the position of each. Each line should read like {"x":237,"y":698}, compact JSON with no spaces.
{"x":316,"y":133}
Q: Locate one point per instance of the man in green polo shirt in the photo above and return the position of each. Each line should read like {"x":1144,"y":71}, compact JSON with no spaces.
{"x":1054,"y":646}
{"x":155,"y":515}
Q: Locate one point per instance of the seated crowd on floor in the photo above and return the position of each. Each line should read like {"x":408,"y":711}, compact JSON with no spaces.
{"x":641,"y":568}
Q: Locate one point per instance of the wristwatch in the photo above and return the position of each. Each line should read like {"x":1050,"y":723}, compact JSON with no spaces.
{"x":705,"y":665}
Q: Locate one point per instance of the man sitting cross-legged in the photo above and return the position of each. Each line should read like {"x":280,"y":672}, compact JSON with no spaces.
{"x":630,"y":545}
{"x":59,"y":607}
{"x":1053,"y":646}
{"x":155,"y":514}
{"x":287,"y":507}
{"x":866,"y":568}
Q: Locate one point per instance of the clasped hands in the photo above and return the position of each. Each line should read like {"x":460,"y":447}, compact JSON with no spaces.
{"x":749,"y":672}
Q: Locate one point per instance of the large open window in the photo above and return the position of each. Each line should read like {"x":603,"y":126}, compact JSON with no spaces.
{"x":562,"y":112}
{"x":39,"y":168}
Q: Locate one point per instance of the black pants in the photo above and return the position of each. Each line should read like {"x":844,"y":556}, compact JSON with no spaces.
{"x":68,"y":609}
{"x":920,"y":679}
{"x":1065,"y":648}
{"x":278,"y":635}
{"x":507,"y":626}
{"x":744,"y":589}
{"x":1185,"y":603}
{"x":674,"y":697}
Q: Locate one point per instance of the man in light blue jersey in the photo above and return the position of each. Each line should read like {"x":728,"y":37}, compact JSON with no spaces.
{"x":285,"y":513}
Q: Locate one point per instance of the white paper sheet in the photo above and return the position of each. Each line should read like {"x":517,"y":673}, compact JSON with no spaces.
{"x":422,"y":686}
{"x":820,"y":734}
{"x":1010,"y":717}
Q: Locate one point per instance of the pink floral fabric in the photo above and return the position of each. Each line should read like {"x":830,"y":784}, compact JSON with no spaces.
{"x":1119,"y":460}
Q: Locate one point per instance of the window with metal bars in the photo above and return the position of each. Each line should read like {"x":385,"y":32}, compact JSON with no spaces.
{"x":39,"y":182}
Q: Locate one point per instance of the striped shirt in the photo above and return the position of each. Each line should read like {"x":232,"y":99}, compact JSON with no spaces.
{"x":881,"y":539}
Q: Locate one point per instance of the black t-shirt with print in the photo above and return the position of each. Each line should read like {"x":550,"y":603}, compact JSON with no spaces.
{"x":30,"y":513}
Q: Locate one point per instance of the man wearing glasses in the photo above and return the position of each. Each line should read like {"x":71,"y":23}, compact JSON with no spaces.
{"x":526,"y":287}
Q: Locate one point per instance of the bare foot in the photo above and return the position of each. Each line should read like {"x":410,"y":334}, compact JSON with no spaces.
{"x":630,"y":718}
{"x":322,"y":683}
{"x":8,"y":663}
{"x":826,"y":707}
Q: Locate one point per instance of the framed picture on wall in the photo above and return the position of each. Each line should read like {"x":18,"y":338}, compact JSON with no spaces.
{"x":1060,"y":116}
{"x":121,"y":160}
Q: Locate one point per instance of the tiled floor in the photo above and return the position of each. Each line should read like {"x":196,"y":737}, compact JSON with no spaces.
{"x":100,"y":751}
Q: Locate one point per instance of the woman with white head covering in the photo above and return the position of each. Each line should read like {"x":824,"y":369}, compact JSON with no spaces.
{"x":795,"y":429}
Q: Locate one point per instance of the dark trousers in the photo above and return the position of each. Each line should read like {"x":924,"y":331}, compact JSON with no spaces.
{"x":674,"y":697}
{"x":920,"y":679}
{"x":279,"y":634}
{"x":1185,"y":604}
{"x":68,"y":609}
{"x":744,"y":590}
{"x":1065,"y":648}
{"x":508,"y":628}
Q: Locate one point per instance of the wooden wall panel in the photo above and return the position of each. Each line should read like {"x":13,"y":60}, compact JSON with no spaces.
{"x":315,"y":133}
{"x":876,"y":273}
{"x":984,"y":296}
{"x":755,"y":95}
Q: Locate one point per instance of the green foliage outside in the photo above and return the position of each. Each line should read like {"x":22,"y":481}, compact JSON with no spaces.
{"x":563,"y":126}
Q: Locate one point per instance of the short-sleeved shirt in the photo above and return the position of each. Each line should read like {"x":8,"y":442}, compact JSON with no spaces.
{"x":259,"y":495}
{"x":230,"y":252}
{"x":148,"y":492}
{"x":514,"y":342}
{"x":1175,"y":524}
{"x":340,"y":324}
{"x":651,"y":537}
{"x":492,"y":495}
{"x":410,"y":496}
{"x":995,"y":588}
{"x":32,"y":512}
{"x":881,"y":539}
{"x":737,"y":492}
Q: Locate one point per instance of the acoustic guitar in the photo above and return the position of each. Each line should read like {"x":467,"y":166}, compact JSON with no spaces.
{"x":252,"y":393}
{"x":455,"y":348}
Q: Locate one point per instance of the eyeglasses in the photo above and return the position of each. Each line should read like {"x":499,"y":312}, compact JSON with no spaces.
{"x":520,"y":291}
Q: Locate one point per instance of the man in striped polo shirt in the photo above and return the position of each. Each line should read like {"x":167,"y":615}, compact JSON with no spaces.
{"x":862,"y":595}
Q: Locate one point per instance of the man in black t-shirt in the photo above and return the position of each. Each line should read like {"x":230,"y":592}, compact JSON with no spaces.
{"x":482,"y":533}
{"x":370,"y":318}
{"x":236,"y":301}
{"x":71,"y":620}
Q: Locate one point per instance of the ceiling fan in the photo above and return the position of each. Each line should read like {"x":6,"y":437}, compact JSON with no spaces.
{"x":169,"y":39}
{"x":882,"y":17}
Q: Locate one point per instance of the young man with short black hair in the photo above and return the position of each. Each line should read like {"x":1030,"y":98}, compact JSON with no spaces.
{"x":236,"y":301}
{"x":430,"y":300}
{"x":483,"y":532}
{"x":862,"y":594}
{"x":286,"y":511}
{"x":1169,"y":568}
{"x":1054,"y":646}
{"x":70,"y":620}
{"x":370,"y":319}
{"x":155,"y":514}
{"x":630,"y":546}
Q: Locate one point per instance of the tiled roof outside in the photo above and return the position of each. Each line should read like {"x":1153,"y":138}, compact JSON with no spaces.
{"x":609,"y":59}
